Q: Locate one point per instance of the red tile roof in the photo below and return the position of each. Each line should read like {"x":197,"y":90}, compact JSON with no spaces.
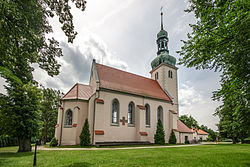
{"x":199,"y":131}
{"x":181,"y":127}
{"x":79,"y":91}
{"x":114,"y":79}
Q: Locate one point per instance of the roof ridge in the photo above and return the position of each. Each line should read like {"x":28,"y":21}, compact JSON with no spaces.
{"x":126,"y":72}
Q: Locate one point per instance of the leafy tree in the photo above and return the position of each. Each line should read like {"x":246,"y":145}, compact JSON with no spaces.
{"x":19,"y":115}
{"x":159,"y":136}
{"x":23,"y":28}
{"x":212,"y":134}
{"x":189,"y":121}
{"x":220,"y":41}
{"x":49,"y":106}
{"x":85,"y":135}
{"x":172,"y":139}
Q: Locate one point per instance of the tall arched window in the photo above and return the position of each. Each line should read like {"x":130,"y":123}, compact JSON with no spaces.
{"x":147,"y":115}
{"x":156,"y":76}
{"x":68,"y":117}
{"x":131,"y":113}
{"x":160,"y":114}
{"x":170,"y":74}
{"x":115,"y":112}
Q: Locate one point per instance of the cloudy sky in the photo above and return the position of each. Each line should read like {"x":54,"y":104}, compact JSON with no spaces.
{"x":122,"y":34}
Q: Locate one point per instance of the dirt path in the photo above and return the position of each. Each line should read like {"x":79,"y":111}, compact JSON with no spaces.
{"x":120,"y":148}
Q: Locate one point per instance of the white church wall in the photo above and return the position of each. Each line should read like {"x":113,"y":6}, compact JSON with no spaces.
{"x":125,"y":132}
{"x":70,"y":134}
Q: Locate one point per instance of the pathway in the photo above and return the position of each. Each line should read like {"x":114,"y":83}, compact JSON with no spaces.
{"x":118,"y":148}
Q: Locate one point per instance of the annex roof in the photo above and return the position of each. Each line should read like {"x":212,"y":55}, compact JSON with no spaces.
{"x":79,"y":91}
{"x":199,"y":131}
{"x":181,"y":127}
{"x":115,"y":79}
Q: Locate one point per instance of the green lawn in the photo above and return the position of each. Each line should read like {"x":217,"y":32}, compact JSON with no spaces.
{"x":204,"y":155}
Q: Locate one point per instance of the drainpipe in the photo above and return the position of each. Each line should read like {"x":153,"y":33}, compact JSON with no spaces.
{"x":93,"y":133}
{"x":60,"y":142}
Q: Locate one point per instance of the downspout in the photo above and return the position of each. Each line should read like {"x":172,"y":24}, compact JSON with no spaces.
{"x":61,"y":126}
{"x":93,"y":131}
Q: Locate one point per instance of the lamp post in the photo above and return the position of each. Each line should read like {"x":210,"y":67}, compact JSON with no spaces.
{"x":34,"y":163}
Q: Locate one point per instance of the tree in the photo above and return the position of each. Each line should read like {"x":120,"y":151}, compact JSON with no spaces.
{"x":159,"y":136}
{"x":189,"y":121}
{"x":220,"y":41}
{"x":23,"y":28}
{"x":19,"y":114}
{"x":85,"y":135}
{"x":211,"y":133}
{"x":172,"y":139}
{"x":49,"y":106}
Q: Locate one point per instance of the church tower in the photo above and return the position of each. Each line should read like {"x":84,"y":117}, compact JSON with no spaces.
{"x":163,"y":66}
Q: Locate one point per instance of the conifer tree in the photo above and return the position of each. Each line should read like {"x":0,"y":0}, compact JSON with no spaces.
{"x":172,"y":139}
{"x":85,"y":135}
{"x":160,"y":134}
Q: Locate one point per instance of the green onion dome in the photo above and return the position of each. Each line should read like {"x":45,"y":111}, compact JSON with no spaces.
{"x":163,"y":58}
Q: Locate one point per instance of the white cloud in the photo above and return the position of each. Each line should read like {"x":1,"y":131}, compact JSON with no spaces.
{"x":76,"y":62}
{"x":193,"y":102}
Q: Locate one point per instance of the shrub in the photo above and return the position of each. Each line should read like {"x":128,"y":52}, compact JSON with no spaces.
{"x":172,"y":139}
{"x":187,"y":142}
{"x":247,"y":140}
{"x":160,"y":134}
{"x":53,"y":142}
{"x":85,"y":135}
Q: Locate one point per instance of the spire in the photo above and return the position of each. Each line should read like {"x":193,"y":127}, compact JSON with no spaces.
{"x":161,"y":19}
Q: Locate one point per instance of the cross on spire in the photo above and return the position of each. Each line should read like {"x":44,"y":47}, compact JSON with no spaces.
{"x":161,"y":18}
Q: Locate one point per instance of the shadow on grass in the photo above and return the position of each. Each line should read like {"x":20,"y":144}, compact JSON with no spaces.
{"x":80,"y":164}
{"x":15,"y":154}
{"x":5,"y":157}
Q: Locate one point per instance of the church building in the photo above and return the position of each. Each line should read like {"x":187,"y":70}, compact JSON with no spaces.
{"x":124,"y":107}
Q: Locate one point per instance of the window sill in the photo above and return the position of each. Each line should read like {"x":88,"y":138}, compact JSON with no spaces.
{"x":148,"y":126}
{"x":131,"y":125}
{"x":114,"y":124}
{"x":67,"y":126}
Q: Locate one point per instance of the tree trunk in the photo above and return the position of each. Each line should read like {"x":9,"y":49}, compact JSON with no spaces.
{"x":234,"y":140}
{"x":24,"y":144}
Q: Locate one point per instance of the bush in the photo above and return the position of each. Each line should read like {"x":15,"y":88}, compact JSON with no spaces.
{"x":160,"y":134}
{"x":53,"y":142}
{"x":172,"y":139}
{"x":85,"y":135}
{"x":247,"y":140}
{"x":187,"y":142}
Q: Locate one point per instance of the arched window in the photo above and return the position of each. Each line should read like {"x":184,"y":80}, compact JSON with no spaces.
{"x":170,"y":74}
{"x":115,"y":111}
{"x":147,"y":115}
{"x":162,"y":44}
{"x":160,"y":114}
{"x":131,"y":113}
{"x":68,"y":117}
{"x":156,"y":76}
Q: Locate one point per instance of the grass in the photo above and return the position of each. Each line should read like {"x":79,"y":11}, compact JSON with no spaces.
{"x":203,"y":155}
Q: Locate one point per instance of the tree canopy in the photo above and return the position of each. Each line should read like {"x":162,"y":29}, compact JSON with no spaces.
{"x":220,"y":41}
{"x":189,"y":121}
{"x":23,"y":42}
{"x":49,"y":109}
